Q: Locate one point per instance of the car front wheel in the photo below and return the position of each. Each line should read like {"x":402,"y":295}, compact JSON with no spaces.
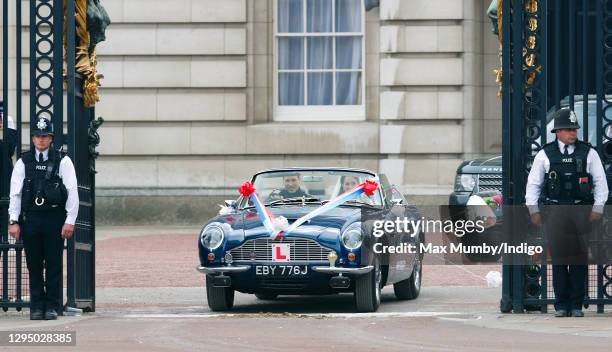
{"x":219,"y":298}
{"x":368,"y":288}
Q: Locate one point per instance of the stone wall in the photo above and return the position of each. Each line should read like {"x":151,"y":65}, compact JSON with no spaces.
{"x":188,"y":101}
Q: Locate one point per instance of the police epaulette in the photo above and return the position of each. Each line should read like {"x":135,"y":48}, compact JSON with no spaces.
{"x":27,"y":157}
{"x":549,"y":145}
{"x":586,"y":145}
{"x":61,"y":153}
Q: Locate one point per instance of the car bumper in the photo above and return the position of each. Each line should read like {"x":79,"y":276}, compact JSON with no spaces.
{"x":223,"y":269}
{"x":339,"y":270}
{"x":319,"y":279}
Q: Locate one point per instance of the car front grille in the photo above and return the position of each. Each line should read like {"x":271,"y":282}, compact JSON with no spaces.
{"x":489,"y":182}
{"x":260,"y":249}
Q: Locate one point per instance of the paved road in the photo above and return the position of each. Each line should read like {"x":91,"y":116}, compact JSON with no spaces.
{"x":442,"y":319}
{"x":149,"y":298}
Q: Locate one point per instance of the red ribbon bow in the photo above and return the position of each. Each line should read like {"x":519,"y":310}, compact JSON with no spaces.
{"x":369,"y":187}
{"x":246,"y":189}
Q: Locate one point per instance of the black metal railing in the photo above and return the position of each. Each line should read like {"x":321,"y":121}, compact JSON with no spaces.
{"x":555,"y":53}
{"x":47,"y":52}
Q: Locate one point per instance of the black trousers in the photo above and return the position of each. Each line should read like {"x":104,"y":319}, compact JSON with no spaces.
{"x":567,"y":229}
{"x":569,"y":283}
{"x":44,"y":246}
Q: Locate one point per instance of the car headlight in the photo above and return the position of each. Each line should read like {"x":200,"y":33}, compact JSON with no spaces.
{"x":352,"y":237}
{"x":212,"y":236}
{"x":465,"y":183}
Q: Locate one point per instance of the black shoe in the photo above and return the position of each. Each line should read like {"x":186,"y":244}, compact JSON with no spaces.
{"x":577,"y":313}
{"x":561,"y":313}
{"x":36,"y":314}
{"x":50,"y":314}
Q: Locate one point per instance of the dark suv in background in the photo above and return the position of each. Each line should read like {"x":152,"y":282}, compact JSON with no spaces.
{"x":481,"y":177}
{"x":475,"y":176}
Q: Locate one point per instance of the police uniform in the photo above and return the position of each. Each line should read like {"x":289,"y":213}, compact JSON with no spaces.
{"x":10,"y":140}
{"x":44,"y":197}
{"x":7,"y":150}
{"x":571,"y":180}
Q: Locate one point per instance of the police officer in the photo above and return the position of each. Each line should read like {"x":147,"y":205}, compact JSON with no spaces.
{"x":567,"y":175}
{"x":7,"y":150}
{"x":44,"y":193}
{"x":10,"y":140}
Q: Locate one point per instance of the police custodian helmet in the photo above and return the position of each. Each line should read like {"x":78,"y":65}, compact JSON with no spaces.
{"x":565,"y":118}
{"x":43,"y":127}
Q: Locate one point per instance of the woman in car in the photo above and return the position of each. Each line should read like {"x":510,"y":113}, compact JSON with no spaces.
{"x":348,"y":183}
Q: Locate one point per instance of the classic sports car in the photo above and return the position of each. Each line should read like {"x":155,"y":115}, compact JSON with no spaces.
{"x":329,"y":253}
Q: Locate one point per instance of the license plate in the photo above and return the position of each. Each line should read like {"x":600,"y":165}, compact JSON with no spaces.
{"x":281,"y":270}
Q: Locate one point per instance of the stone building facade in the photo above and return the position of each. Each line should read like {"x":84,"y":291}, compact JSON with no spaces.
{"x":191,"y":100}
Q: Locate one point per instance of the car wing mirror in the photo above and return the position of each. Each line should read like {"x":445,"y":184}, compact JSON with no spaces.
{"x":228,"y":207}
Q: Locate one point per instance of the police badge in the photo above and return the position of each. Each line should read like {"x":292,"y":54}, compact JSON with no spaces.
{"x":41,"y":124}
{"x":573,"y":118}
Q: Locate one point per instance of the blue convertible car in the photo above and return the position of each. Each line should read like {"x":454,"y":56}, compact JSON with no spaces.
{"x":330,"y":253}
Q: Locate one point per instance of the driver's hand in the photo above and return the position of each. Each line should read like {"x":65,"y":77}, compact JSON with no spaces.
{"x":275,"y":195}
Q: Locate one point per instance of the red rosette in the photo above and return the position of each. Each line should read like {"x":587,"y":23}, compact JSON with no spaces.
{"x":246,"y":189}
{"x":369,"y":187}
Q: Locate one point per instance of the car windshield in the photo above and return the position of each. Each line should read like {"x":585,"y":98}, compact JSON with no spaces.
{"x":592,"y":114}
{"x":310,"y":186}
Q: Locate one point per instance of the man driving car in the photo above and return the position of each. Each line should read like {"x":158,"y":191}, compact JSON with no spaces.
{"x":292,"y":188}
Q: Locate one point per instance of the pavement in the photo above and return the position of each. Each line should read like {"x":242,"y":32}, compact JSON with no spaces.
{"x":150,"y":298}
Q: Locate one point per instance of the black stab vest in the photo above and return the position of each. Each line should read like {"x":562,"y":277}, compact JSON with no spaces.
{"x":43,"y":189}
{"x":567,"y":181}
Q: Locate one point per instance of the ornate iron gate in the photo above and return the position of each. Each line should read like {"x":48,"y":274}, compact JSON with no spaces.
{"x":555,"y":53}
{"x":47,"y":26}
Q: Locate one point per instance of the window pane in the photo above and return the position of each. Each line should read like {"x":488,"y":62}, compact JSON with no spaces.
{"x":320,"y":53}
{"x":291,"y":89}
{"x":320,"y":88}
{"x":290,"y":16}
{"x":348,"y":52}
{"x":291,"y":53}
{"x":348,"y":88}
{"x":348,"y":15}
{"x":319,"y":16}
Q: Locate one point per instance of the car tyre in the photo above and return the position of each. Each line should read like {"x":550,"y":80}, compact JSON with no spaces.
{"x":411,"y":287}
{"x":266,"y":296}
{"x":368,"y":289}
{"x":219,"y":298}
